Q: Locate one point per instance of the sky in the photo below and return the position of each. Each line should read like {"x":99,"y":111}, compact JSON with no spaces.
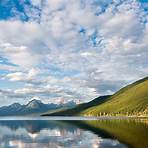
{"x":65,"y":50}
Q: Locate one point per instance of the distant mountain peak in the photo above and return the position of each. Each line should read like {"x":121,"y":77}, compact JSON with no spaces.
{"x":16,"y":105}
{"x":34,"y":106}
{"x":34,"y":103}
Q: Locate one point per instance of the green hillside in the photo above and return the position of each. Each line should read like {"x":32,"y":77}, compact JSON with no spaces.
{"x":130,"y":100}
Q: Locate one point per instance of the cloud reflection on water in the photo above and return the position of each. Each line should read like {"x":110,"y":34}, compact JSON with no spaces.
{"x":49,"y":134}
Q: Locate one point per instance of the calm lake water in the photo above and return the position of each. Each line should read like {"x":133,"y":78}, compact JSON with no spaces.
{"x":57,"y":132}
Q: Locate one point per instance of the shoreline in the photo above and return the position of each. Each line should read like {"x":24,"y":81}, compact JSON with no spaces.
{"x":60,"y":118}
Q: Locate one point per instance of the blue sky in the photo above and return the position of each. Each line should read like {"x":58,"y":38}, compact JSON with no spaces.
{"x":57,"y":50}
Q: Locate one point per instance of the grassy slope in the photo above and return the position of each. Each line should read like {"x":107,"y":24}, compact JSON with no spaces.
{"x":132,"y":99}
{"x":76,"y":110}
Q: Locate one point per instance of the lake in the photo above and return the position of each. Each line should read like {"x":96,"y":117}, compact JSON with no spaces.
{"x":72,"y":132}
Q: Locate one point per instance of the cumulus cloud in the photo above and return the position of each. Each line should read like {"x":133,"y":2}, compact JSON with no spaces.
{"x":21,"y":43}
{"x":76,"y":49}
{"x":20,"y":76}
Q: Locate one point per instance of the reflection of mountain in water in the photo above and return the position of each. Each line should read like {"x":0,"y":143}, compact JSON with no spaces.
{"x":37,"y":133}
{"x":44,"y":133}
{"x":36,"y":126}
{"x":95,"y":133}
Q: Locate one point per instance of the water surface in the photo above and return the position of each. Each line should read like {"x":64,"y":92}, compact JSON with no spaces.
{"x":74,"y":132}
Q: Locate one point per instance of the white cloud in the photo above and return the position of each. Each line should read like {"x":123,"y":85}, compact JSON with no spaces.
{"x":19,"y":33}
{"x":7,"y":68}
{"x":22,"y":76}
{"x":19,"y":42}
{"x":78,"y":54}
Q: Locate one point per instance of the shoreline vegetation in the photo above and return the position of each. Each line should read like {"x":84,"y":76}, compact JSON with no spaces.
{"x":120,"y":116}
{"x":104,"y":114}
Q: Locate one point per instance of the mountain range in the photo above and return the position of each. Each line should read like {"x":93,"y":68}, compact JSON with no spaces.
{"x":33,"y":107}
{"x":131,"y":100}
